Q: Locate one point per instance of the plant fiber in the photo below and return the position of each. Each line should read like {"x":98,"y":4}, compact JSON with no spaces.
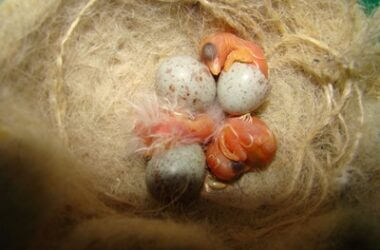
{"x":70,"y":69}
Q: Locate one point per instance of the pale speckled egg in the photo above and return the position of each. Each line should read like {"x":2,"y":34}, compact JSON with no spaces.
{"x":186,"y":81}
{"x":177,"y":174}
{"x":242,"y":89}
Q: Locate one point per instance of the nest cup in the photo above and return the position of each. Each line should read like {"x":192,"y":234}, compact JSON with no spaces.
{"x":75,"y":67}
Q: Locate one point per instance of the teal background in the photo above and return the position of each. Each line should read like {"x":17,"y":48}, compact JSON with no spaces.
{"x":369,"y":5}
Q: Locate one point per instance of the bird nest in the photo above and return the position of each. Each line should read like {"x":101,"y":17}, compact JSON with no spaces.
{"x":70,"y":69}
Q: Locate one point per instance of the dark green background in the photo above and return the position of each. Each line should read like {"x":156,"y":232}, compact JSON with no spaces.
{"x":369,"y":5}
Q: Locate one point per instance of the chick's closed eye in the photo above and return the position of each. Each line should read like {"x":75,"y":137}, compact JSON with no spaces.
{"x":209,"y":52}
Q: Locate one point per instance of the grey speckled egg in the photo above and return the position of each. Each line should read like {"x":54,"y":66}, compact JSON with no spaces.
{"x":177,"y":174}
{"x":186,"y":80}
{"x":242,"y":89}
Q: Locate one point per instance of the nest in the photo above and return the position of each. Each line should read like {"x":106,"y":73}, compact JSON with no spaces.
{"x":69,"y":70}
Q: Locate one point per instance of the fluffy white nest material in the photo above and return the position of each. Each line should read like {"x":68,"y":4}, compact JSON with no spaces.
{"x":69,"y":70}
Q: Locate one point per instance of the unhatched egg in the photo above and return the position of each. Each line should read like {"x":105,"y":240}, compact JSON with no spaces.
{"x":185,"y":80}
{"x":242,"y":89}
{"x":177,"y":174}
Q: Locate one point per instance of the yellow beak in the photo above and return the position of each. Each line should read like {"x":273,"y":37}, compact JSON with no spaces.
{"x":215,"y":67}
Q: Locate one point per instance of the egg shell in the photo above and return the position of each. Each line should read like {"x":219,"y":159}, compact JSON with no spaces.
{"x":177,"y":174}
{"x":242,"y":89}
{"x":186,"y":81}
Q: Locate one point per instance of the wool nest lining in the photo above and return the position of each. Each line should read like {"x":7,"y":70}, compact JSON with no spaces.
{"x":77,"y":66}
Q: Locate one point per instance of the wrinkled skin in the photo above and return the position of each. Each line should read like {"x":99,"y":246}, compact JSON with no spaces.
{"x":220,"y":50}
{"x":243,"y":143}
{"x":175,"y":127}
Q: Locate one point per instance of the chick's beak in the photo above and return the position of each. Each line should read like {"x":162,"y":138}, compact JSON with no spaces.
{"x":214,"y":67}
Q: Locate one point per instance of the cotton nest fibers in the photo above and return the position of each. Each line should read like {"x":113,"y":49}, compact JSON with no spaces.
{"x":242,"y":88}
{"x":186,"y":81}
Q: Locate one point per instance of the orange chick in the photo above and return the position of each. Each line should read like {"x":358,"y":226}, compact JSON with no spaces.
{"x":174,"y":128}
{"x":242,"y":144}
{"x":220,"y":50}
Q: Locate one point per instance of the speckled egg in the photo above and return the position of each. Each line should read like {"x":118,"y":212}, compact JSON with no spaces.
{"x":186,"y":81}
{"x":177,"y":174}
{"x":242,"y":89}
